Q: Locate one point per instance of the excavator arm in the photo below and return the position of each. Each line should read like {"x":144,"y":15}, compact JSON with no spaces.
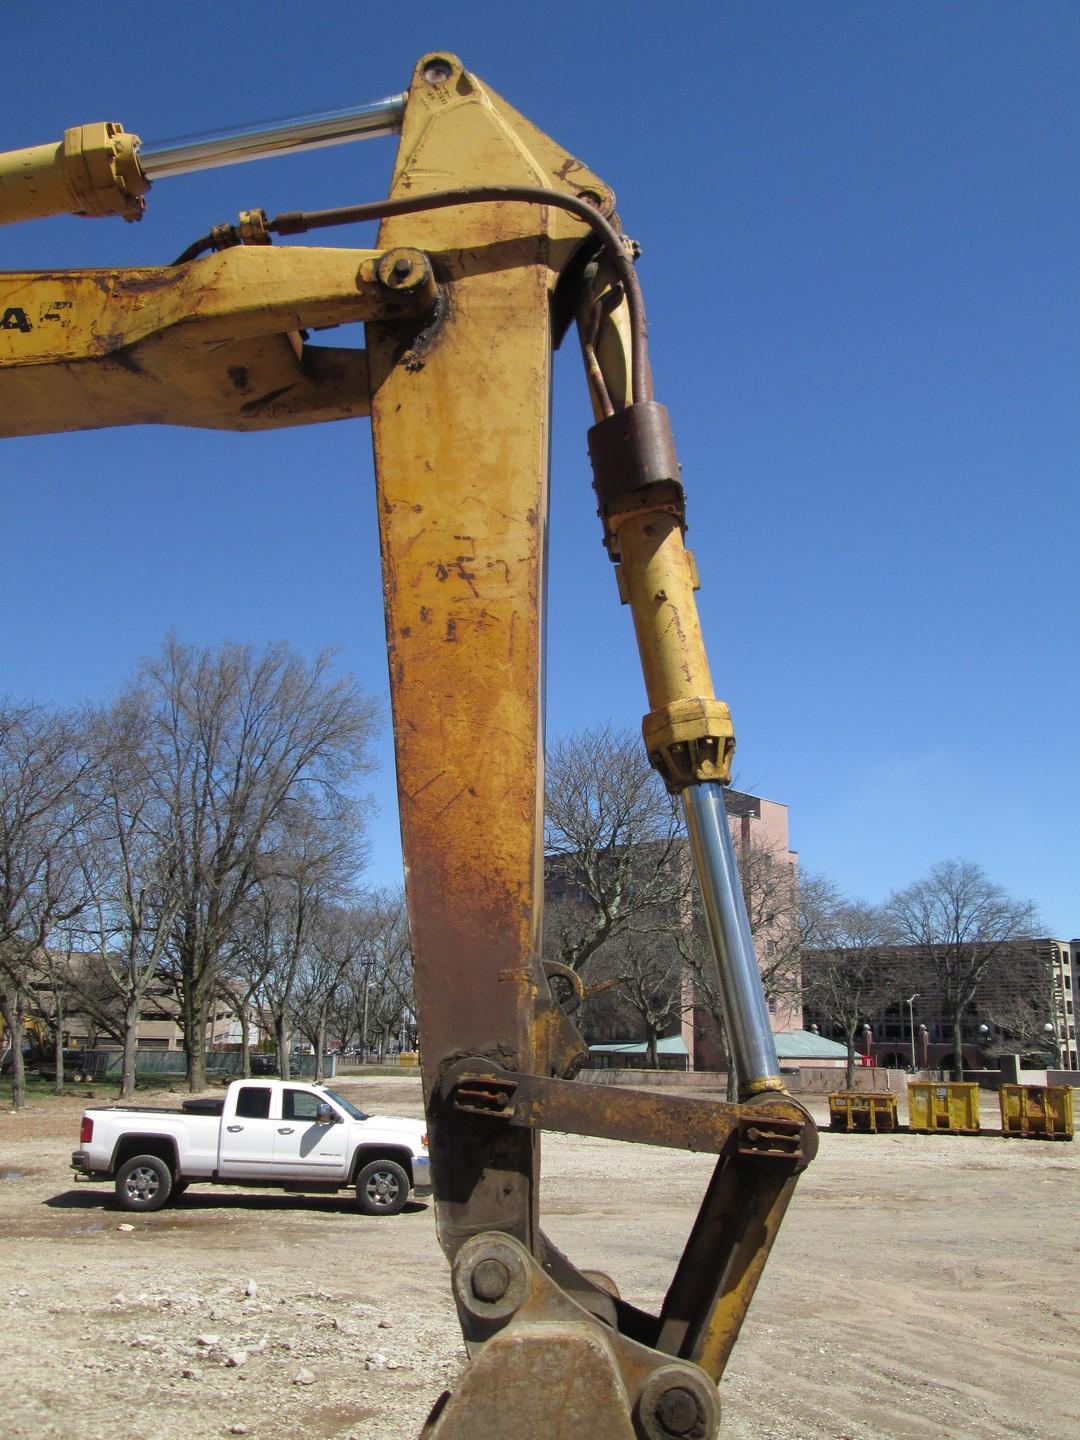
{"x":493,"y":240}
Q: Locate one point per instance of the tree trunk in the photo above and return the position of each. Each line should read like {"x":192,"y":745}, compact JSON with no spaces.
{"x":11,"y":1007}
{"x":320,"y":1046}
{"x":127,"y":1064}
{"x":196,"y":1059}
{"x":281,"y":1039}
{"x":245,"y":1044}
{"x":651,"y":1060}
{"x":958,"y":1046}
{"x":364,"y":1025}
{"x":58,"y":1043}
{"x":849,"y":1073}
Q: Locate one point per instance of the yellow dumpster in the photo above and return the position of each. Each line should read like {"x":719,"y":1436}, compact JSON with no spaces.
{"x":862,"y":1110}
{"x":951,"y":1107}
{"x":1042,"y":1112}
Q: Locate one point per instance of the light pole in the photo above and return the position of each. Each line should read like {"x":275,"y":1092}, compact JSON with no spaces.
{"x":1051,"y":1032}
{"x":984,"y":1036}
{"x":911,"y":1025}
{"x":868,"y":1035}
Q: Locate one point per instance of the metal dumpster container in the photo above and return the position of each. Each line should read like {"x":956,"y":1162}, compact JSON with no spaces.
{"x":1037,"y":1112}
{"x":951,"y":1107}
{"x":862,"y":1110}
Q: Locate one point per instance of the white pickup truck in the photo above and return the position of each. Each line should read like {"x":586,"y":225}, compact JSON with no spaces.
{"x":276,"y":1133}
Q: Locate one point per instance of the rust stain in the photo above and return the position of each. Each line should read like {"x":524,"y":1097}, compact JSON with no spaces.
{"x":453,"y":800}
{"x":412,"y":794}
{"x":568,"y":167}
{"x":266,"y":399}
{"x":146,"y":283}
{"x":451,"y":629}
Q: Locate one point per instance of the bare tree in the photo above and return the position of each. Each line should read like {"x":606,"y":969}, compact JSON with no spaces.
{"x":844,"y":980}
{"x":613,"y":838}
{"x":962,"y":923}
{"x":243,"y":744}
{"x":127,"y":863}
{"x":391,"y":1004}
{"x":647,"y":968}
{"x":45,"y":795}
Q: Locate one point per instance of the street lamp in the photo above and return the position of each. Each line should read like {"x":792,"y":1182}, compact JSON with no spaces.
{"x":984,"y":1035}
{"x":1051,"y":1032}
{"x":911,"y":1025}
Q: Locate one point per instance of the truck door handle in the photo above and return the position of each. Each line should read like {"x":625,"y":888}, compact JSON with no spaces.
{"x":284,"y":1130}
{"x":234,"y":1129}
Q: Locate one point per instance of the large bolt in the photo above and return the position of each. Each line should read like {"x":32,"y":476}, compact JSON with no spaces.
{"x":490,"y":1280}
{"x":678,"y":1411}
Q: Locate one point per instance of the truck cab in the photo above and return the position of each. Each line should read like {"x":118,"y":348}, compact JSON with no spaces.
{"x":284,"y":1134}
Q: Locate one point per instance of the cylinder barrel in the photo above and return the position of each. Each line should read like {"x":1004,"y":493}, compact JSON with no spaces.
{"x":183,"y":156}
{"x":750,"y":1036}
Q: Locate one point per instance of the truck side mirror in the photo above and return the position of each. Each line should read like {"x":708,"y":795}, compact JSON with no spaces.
{"x":324,"y":1115}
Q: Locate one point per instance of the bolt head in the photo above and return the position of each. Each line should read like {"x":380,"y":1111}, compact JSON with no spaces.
{"x":678,"y":1411}
{"x":490,"y":1280}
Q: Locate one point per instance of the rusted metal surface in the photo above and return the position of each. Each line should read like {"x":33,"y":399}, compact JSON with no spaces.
{"x":461,"y":445}
{"x":642,"y":1117}
{"x":731,"y":1241}
{"x":212,"y":343}
{"x":543,"y":1368}
{"x":459,"y":306}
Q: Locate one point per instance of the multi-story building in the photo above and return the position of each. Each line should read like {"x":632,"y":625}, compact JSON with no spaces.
{"x":1024,"y":1006}
{"x":769,"y":870}
{"x":158,"y":1025}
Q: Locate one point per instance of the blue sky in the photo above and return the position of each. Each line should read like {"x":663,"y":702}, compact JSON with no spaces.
{"x":860,"y":226}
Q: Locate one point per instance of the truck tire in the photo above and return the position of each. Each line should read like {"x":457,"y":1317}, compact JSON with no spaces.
{"x":382,"y":1188}
{"x":143,"y":1183}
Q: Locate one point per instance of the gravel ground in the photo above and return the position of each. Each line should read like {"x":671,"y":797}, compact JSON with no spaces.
{"x":919,"y":1289}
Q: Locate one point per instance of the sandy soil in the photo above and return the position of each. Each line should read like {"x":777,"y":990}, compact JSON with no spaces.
{"x":920,"y":1290}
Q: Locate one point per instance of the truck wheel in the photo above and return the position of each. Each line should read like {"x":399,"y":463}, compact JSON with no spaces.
{"x":382,"y":1187}
{"x":143,"y":1183}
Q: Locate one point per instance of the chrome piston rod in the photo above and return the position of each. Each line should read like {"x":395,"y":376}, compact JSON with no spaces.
{"x":159,"y":159}
{"x":750,"y":1037}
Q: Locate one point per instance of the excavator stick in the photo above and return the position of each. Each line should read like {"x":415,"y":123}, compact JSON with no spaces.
{"x":492,"y":240}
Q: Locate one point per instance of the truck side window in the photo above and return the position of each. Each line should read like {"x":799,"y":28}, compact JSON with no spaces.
{"x":299,"y":1105}
{"x":253,"y":1102}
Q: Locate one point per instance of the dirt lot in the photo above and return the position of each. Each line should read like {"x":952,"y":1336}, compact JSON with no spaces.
{"x":921,"y":1289}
